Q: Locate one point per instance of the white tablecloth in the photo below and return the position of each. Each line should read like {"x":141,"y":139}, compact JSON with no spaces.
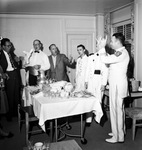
{"x":26,"y":95}
{"x":46,"y":108}
{"x":52,"y":108}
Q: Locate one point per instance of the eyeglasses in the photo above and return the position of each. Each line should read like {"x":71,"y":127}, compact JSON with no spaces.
{"x":36,"y":44}
{"x":8,"y":45}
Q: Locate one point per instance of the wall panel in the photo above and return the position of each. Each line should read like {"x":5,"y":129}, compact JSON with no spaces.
{"x":23,"y":29}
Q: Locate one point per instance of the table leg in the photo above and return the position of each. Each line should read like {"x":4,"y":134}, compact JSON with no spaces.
{"x":83,"y":127}
{"x":81,"y":135}
{"x":56,"y":130}
{"x":51,"y":131}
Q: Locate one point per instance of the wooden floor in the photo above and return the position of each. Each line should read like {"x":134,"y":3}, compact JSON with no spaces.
{"x":95,"y":135}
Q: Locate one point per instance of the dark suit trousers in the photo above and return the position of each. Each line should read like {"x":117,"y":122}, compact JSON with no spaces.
{"x":12,"y":87}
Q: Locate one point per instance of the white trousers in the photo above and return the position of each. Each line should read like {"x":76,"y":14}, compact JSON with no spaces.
{"x":89,"y":115}
{"x":117,"y":114}
{"x":94,"y":87}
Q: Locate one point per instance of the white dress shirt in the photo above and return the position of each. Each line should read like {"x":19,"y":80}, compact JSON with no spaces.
{"x":9,"y":67}
{"x":54,"y":60}
{"x":39,"y":59}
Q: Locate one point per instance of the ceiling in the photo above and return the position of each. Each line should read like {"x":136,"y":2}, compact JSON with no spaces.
{"x":61,"y":7}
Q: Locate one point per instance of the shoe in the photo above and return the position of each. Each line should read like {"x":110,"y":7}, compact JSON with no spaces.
{"x":10,"y":135}
{"x":121,"y":141}
{"x":112,"y":140}
{"x":110,"y":134}
{"x":88,"y":124}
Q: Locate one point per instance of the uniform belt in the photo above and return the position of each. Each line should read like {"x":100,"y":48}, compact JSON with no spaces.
{"x":10,"y":71}
{"x":97,"y":72}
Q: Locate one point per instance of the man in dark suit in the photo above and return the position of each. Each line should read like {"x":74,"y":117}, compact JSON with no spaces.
{"x":11,"y":83}
{"x":3,"y":105}
{"x":58,"y":64}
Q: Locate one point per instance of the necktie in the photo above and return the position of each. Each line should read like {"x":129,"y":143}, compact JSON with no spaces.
{"x":36,"y":51}
{"x":12,"y":63}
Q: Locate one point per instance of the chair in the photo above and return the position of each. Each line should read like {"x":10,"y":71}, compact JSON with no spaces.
{"x":136,"y":115}
{"x":26,"y":115}
{"x":134,"y":112}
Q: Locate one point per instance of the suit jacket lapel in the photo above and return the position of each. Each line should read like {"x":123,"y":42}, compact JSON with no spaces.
{"x":3,"y":61}
{"x":57,"y":60}
{"x":51,"y":61}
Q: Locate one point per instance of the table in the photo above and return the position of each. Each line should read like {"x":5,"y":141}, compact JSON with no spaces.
{"x":53,"y":108}
{"x":63,"y":145}
{"x":46,"y":108}
{"x":133,"y":95}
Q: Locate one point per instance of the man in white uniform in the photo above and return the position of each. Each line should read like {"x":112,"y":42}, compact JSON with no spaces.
{"x":81,"y":68}
{"x":118,"y":85}
{"x":96,"y":78}
{"x":36,"y":60}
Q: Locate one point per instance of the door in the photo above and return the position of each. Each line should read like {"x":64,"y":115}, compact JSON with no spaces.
{"x":73,"y":40}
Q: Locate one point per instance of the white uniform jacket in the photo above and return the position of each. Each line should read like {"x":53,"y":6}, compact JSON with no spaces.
{"x":97,"y":74}
{"x":118,"y":71}
{"x":81,"y":68}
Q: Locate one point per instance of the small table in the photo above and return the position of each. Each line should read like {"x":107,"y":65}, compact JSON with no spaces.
{"x":46,"y":108}
{"x":132,"y":95}
{"x":63,"y":145}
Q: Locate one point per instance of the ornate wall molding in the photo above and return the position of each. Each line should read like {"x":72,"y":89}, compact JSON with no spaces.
{"x":132,"y":29}
{"x":107,"y":25}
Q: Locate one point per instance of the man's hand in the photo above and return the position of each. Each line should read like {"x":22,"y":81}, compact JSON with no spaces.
{"x":37,"y":67}
{"x":117,"y":53}
{"x":16,"y":59}
{"x":101,"y":42}
{"x":5,"y":76}
{"x":71,"y":60}
{"x":102,"y":87}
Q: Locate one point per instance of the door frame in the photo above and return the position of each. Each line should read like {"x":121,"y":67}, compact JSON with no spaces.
{"x":93,"y":47}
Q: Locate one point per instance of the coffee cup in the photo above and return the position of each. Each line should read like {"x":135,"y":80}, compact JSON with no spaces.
{"x":38,"y":146}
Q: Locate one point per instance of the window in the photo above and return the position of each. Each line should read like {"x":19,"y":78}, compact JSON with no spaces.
{"x":124,"y":29}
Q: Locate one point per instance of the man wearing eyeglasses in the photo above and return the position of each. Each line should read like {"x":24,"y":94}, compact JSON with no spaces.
{"x":12,"y":85}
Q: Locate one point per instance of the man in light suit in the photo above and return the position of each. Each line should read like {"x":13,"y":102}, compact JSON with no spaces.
{"x":58,"y":64}
{"x":118,"y":85}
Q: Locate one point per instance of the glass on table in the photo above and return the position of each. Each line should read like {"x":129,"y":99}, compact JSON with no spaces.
{"x":46,"y":145}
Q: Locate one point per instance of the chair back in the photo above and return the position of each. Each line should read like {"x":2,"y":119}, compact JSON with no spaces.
{"x":23,"y":76}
